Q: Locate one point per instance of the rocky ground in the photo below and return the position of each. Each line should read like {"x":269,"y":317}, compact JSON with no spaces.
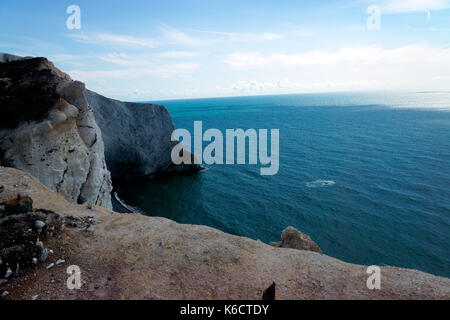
{"x":128,"y":256}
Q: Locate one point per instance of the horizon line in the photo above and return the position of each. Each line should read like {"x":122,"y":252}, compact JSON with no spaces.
{"x":287,"y":94}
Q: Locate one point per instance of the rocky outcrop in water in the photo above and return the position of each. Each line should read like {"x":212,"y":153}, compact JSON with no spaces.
{"x":137,"y":137}
{"x":48,"y":130}
{"x":293,"y":239}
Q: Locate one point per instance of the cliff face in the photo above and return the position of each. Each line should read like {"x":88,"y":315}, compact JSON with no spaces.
{"x":137,"y":137}
{"x":138,"y":257}
{"x":71,"y":138}
{"x":48,"y":130}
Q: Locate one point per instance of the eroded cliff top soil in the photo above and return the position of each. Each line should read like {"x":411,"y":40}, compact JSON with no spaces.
{"x":137,"y":257}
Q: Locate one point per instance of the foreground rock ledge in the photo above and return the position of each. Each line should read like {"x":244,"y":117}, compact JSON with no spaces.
{"x":137,"y":257}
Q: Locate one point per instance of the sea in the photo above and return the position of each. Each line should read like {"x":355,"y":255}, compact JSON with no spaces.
{"x":366,"y":175}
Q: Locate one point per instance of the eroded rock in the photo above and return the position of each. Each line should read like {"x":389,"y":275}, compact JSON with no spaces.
{"x":294,"y":239}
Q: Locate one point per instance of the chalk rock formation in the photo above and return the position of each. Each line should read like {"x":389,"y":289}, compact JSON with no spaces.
{"x":294,"y":239}
{"x":48,"y":130}
{"x":137,"y":137}
{"x":139,"y":257}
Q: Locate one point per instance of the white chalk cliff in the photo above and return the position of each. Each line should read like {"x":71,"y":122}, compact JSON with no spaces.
{"x":137,"y":137}
{"x":53,"y":134}
{"x":71,"y":138}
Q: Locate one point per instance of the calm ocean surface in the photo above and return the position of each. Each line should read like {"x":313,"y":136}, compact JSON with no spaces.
{"x":387,"y":154}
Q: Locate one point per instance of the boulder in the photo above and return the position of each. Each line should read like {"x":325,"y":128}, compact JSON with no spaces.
{"x":294,"y":239}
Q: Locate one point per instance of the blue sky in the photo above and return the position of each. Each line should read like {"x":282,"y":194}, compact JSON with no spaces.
{"x":148,"y":50}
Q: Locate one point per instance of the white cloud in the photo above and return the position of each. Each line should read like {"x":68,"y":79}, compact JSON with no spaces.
{"x":271,"y":36}
{"x":178,"y":54}
{"x":354,"y":56}
{"x":67,"y":57}
{"x":405,"y":6}
{"x":146,"y":60}
{"x":163,"y":71}
{"x":114,"y":39}
{"x":123,"y":59}
{"x":72,"y":60}
{"x":239,"y":36}
{"x":414,"y":67}
{"x":174,"y":36}
{"x":290,"y":86}
{"x":255,"y":85}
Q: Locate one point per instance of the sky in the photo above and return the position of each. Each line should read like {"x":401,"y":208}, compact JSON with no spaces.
{"x":144,"y":50}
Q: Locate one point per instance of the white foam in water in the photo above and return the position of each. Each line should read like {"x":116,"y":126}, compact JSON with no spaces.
{"x":320,"y":183}
{"x":126,"y":206}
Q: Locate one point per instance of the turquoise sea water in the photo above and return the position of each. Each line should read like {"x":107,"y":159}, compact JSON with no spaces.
{"x":386,"y":155}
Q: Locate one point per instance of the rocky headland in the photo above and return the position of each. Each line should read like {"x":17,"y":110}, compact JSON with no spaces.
{"x":59,"y":146}
{"x":47,"y":129}
{"x":137,"y":137}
